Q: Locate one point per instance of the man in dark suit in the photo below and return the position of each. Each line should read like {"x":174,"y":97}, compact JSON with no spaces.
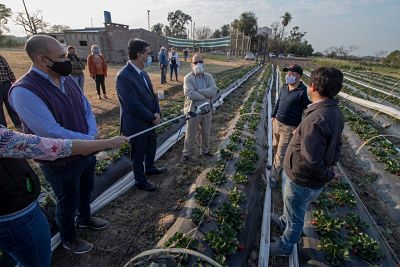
{"x":139,"y":110}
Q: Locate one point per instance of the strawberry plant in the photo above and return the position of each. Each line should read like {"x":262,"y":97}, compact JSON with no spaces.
{"x":179,"y":240}
{"x":204,"y":194}
{"x":240,"y":178}
{"x":236,"y":197}
{"x":343,"y":197}
{"x":353,"y":223}
{"x":337,"y":253}
{"x":325,"y":224}
{"x":101,"y":166}
{"x":245,"y":166}
{"x":231,"y":215}
{"x":217,"y":174}
{"x":249,"y":153}
{"x":235,"y":137}
{"x":223,"y":241}
{"x":198,"y":213}
{"x":365,"y":247}
{"x":324,"y":201}
{"x":225,"y":154}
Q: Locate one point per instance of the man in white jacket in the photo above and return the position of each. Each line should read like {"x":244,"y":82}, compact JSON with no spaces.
{"x":199,"y":87}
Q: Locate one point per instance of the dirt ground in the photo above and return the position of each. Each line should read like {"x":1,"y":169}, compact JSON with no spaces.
{"x":139,"y":219}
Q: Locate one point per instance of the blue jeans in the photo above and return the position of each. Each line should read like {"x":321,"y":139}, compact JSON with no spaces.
{"x":27,"y":239}
{"x":79,"y":79}
{"x":72,"y":184}
{"x":296,"y":200}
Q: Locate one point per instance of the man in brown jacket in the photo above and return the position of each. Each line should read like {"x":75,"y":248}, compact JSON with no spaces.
{"x":311,"y":156}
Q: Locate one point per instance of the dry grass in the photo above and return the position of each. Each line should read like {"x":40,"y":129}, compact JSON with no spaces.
{"x":20,"y":64}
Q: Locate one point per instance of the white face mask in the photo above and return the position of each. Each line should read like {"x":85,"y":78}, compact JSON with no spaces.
{"x":290,"y":79}
{"x":198,"y":69}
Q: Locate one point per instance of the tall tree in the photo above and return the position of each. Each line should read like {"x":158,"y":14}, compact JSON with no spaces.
{"x":216,"y":34}
{"x":158,"y":28}
{"x":32,"y":24}
{"x":177,"y":22}
{"x":225,"y":30}
{"x":167,"y":31}
{"x":247,"y":22}
{"x":5,"y":14}
{"x":58,"y":28}
{"x":203,"y":33}
{"x":286,"y":18}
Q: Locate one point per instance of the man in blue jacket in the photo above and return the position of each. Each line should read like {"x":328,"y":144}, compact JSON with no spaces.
{"x":139,"y":110}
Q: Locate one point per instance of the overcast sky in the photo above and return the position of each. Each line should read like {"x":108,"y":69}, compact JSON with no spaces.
{"x":371,"y":25}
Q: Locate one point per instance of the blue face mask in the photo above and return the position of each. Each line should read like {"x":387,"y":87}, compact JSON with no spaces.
{"x":290,"y":79}
{"x":96,"y":51}
{"x":148,"y":62}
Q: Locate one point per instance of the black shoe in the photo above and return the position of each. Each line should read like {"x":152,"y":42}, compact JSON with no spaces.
{"x":78,"y":246}
{"x":146,"y":187}
{"x":94,"y":223}
{"x":275,"y":218}
{"x":208,"y":154}
{"x":154,"y":171}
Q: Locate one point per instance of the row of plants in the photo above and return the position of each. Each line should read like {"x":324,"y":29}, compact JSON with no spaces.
{"x":342,"y":236}
{"x":171,"y":111}
{"x":383,"y":150}
{"x":226,"y":220}
{"x":372,"y":76}
{"x":378,"y":82}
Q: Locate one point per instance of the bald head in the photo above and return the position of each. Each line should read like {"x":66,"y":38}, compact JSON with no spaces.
{"x":42,"y":45}
{"x":197,"y":57}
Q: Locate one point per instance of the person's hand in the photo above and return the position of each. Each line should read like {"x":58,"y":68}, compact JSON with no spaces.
{"x":158,"y":118}
{"x":117,"y":141}
{"x":337,"y":175}
{"x":94,"y":76}
{"x":294,"y":131}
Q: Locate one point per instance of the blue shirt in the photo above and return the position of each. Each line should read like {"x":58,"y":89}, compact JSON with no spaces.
{"x":291,"y":104}
{"x":39,"y":119}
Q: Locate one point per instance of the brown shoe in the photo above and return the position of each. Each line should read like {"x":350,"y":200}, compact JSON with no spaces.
{"x":105,"y":97}
{"x":100,"y":97}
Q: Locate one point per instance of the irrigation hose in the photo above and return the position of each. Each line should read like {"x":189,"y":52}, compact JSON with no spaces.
{"x":173,"y":251}
{"x":377,"y":136}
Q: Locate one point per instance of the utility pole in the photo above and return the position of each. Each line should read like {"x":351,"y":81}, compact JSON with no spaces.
{"x":191,"y":29}
{"x":31,"y":23}
{"x":148,"y":19}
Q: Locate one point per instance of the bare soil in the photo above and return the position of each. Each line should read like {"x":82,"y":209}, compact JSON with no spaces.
{"x":139,"y":219}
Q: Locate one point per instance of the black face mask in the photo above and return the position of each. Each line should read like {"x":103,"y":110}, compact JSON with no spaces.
{"x":62,"y":68}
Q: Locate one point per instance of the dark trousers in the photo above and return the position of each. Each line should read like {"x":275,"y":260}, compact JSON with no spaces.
{"x":163,"y":74}
{"x":100,"y":82}
{"x":4,"y":89}
{"x":143,"y":148}
{"x":72,"y":184}
{"x":173,"y":67}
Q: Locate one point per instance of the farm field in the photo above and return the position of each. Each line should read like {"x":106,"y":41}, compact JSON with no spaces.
{"x":216,"y":206}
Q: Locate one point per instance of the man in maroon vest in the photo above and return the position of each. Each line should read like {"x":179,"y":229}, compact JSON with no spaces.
{"x":50,"y":104}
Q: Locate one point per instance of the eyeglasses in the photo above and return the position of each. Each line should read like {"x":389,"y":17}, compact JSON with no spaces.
{"x":197,"y":62}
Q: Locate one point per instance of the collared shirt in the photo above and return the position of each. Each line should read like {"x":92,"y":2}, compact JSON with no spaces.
{"x":6,"y":74}
{"x":36,"y":115}
{"x":140,"y":72}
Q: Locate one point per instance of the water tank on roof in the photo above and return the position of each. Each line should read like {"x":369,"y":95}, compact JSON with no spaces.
{"x":107,"y":17}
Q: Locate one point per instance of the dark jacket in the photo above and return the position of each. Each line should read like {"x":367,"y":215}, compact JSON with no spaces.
{"x":291,"y":104}
{"x":137,"y":102}
{"x":315,"y":146}
{"x":77,"y":65}
{"x":19,"y":185}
